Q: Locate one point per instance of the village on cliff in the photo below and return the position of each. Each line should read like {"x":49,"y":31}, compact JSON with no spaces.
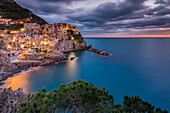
{"x":32,"y":37}
{"x":24,"y":44}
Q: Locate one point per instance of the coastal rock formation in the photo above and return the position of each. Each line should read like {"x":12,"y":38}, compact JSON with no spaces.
{"x":70,"y":45}
{"x":70,"y":42}
{"x":4,"y":60}
{"x":53,"y":57}
{"x":65,"y":45}
{"x":80,"y":46}
{"x":54,"y":53}
{"x":28,"y":57}
{"x":13,"y":68}
{"x":4,"y":65}
{"x":104,"y":53}
{"x":3,"y":57}
{"x":10,"y":99}
{"x":7,"y":68}
{"x":26,"y":65}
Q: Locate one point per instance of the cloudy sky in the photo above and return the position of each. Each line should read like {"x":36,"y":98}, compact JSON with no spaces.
{"x":106,"y":17}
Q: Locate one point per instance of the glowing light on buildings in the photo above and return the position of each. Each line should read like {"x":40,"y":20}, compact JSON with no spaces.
{"x":22,"y":46}
{"x":14,"y":39}
{"x":9,"y":46}
{"x":12,"y":32}
{"x":22,"y":29}
{"x":45,"y":43}
{"x":1,"y":34}
{"x":21,"y":22}
{"x":42,"y":42}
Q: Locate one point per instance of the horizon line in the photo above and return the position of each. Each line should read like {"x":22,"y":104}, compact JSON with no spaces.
{"x":128,"y":36}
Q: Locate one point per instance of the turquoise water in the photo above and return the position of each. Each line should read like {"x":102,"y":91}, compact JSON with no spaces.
{"x":137,"y":67}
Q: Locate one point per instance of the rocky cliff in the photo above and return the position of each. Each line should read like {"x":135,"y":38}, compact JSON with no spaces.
{"x":10,"y":9}
{"x":8,"y":69}
{"x":67,"y":44}
{"x":10,"y":99}
{"x":4,"y":60}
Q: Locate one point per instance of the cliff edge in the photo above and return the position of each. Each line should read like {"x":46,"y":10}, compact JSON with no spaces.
{"x":71,"y":42}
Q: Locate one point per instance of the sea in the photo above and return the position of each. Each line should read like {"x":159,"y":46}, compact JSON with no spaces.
{"x":136,"y":67}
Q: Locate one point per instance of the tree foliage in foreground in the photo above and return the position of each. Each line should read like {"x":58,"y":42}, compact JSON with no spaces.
{"x":80,"y":96}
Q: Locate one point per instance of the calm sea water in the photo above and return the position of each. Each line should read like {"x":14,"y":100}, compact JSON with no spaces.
{"x":137,"y":67}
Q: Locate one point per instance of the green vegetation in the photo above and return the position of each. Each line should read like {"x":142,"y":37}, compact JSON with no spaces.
{"x":80,"y":96}
{"x":11,"y":10}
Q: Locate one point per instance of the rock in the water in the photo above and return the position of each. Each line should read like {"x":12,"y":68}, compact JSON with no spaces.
{"x":89,"y":46}
{"x":72,"y":58}
{"x":104,"y":53}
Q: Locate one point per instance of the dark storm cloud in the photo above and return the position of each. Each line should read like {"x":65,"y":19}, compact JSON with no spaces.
{"x":110,"y":10}
{"x":162,"y":2}
{"x":148,"y":23}
{"x":104,"y":17}
{"x":45,"y":8}
{"x":163,"y":11}
{"x":128,"y":10}
{"x":152,"y":11}
{"x":58,"y":0}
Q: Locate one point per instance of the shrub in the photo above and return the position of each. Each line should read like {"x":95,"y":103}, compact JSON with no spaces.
{"x":81,"y":96}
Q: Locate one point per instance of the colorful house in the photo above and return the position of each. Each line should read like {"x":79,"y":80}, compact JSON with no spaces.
{"x":22,"y":21}
{"x":4,"y":21}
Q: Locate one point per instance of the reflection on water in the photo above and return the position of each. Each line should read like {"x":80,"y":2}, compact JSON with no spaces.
{"x":72,"y":65}
{"x":138,"y":67}
{"x":19,"y":81}
{"x":45,"y":76}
